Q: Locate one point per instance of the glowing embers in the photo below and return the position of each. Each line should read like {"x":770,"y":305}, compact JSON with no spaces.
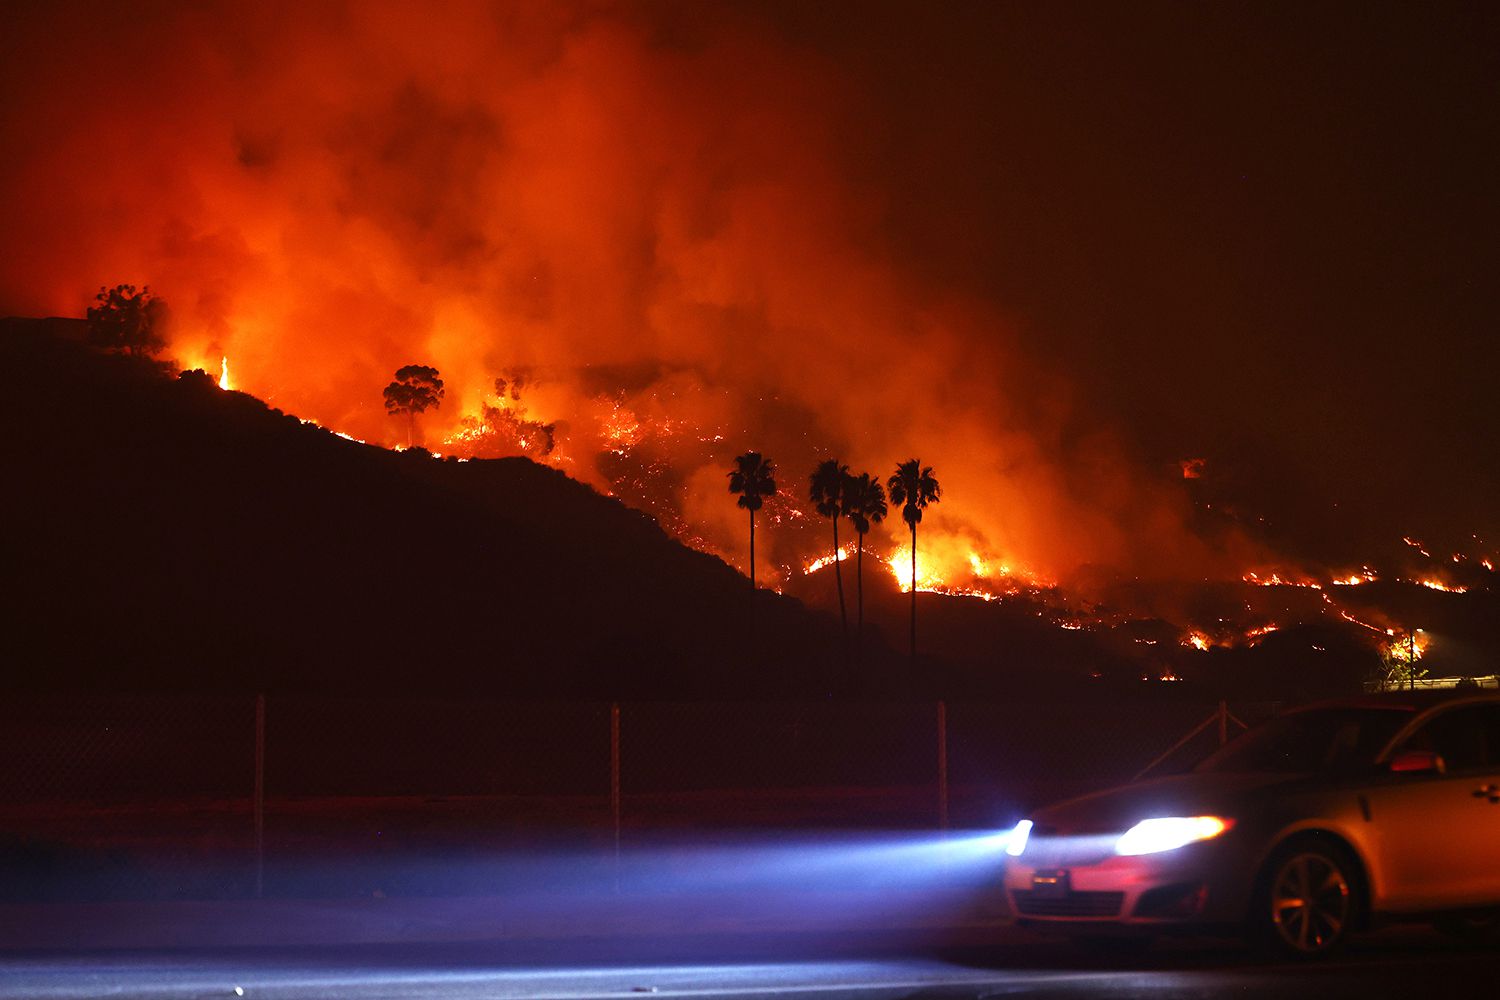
{"x":1447,"y":588}
{"x":620,"y":430}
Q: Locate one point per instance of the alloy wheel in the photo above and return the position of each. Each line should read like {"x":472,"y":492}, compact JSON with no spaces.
{"x":1310,"y":902}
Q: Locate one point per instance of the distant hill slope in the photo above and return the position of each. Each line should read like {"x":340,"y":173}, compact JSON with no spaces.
{"x":161,"y":533}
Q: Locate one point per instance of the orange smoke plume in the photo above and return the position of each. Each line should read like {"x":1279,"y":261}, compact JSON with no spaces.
{"x":663,"y":229}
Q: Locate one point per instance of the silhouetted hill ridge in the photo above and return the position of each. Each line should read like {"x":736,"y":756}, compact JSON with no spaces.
{"x":162,"y":533}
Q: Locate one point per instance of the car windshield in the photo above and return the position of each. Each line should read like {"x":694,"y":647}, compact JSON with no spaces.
{"x":1314,"y":742}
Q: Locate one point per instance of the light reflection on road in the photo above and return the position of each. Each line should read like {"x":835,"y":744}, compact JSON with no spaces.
{"x":1391,"y":965}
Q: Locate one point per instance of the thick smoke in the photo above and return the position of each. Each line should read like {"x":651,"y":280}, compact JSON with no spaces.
{"x":661,"y":209}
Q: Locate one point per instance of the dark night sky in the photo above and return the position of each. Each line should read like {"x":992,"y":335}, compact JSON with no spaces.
{"x":1264,"y":233}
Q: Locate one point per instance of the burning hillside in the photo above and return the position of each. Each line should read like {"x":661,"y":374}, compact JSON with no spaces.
{"x":636,"y":241}
{"x":627,"y":255}
{"x":287,"y":554}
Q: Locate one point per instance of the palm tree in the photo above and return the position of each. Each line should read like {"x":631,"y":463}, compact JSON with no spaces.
{"x":827,"y":494}
{"x":914,"y":488}
{"x":751,"y":479}
{"x":864,"y":503}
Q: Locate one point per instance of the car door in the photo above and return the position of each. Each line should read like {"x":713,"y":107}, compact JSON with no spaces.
{"x":1437,"y":834}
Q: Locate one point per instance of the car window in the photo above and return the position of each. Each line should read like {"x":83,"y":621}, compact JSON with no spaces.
{"x":1318,"y":741}
{"x":1466,"y":738}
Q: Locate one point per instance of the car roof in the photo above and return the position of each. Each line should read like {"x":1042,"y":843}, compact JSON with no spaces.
{"x":1406,"y":701}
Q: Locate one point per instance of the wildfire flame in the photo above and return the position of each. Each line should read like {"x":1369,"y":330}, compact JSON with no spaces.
{"x":1418,"y":545}
{"x":1410,"y":647}
{"x":398,"y":218}
{"x":1447,"y":588}
{"x":842,"y":556}
{"x":947,"y":564}
{"x":1366,"y":575}
{"x":1362,"y":624}
{"x":1276,"y":580}
{"x":900,"y":563}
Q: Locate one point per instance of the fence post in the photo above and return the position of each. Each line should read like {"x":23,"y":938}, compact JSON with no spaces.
{"x":942,"y":763}
{"x":614,"y":782}
{"x":259,"y":808}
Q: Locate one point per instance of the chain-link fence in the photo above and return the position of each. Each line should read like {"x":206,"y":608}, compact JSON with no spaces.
{"x":229,"y":797}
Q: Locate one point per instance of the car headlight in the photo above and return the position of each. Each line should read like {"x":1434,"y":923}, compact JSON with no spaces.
{"x":1152,"y":836}
{"x":1016,"y":842}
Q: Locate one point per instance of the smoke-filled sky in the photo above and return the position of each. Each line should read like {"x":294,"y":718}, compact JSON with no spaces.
{"x":1052,"y":249}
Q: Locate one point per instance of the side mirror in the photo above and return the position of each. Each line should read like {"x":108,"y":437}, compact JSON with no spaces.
{"x":1417,"y":762}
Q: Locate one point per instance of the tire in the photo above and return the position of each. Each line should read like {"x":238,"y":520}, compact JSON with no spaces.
{"x":1307,"y":899}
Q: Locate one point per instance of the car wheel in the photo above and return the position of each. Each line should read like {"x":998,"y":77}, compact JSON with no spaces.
{"x":1307,"y":899}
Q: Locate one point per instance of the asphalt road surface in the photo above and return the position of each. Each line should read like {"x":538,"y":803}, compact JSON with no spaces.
{"x":1394,"y":963}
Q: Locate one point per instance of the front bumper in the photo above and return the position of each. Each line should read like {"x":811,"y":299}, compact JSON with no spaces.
{"x":1191,"y":885}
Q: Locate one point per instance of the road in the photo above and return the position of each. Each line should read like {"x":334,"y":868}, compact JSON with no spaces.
{"x":1393,"y":963}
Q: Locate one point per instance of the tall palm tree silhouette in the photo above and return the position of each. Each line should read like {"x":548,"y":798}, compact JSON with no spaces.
{"x":752,"y":479}
{"x":826,"y":490}
{"x":914,"y":488}
{"x":864,"y":503}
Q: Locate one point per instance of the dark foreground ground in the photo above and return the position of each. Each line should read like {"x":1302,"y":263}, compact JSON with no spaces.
{"x":1391,"y":963}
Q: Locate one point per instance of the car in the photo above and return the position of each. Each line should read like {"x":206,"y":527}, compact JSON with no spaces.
{"x":1314,"y":825}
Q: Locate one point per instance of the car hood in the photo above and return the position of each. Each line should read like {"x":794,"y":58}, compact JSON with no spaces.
{"x":1117,"y":809}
